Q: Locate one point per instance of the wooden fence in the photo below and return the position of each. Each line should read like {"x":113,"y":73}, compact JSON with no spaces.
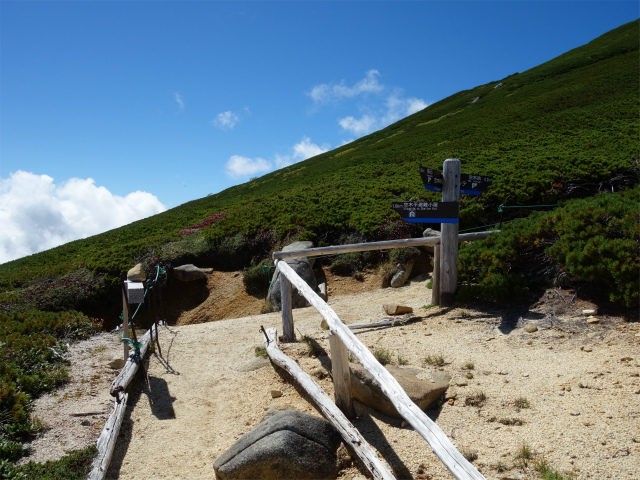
{"x":342,"y":340}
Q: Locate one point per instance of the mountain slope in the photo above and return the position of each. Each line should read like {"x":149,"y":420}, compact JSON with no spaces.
{"x":557,"y":131}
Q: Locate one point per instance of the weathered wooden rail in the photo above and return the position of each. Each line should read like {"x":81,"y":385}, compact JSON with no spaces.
{"x":285,"y":284}
{"x":459,"y":466}
{"x":107,"y":440}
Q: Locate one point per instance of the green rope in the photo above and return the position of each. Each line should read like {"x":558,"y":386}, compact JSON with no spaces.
{"x":502,"y":207}
{"x":136,"y":348}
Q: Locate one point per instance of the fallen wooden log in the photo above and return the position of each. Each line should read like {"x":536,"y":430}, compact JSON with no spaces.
{"x":384,"y":322}
{"x":130,"y":367}
{"x":107,"y":440}
{"x":459,"y":466}
{"x":331,"y":412}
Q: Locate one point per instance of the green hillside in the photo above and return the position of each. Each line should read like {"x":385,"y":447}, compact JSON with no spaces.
{"x":565,"y":129}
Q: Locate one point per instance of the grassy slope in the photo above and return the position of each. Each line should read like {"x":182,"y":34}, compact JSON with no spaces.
{"x":574,"y":117}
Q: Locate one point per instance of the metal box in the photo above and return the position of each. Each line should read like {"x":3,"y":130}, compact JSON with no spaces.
{"x":135,"y":292}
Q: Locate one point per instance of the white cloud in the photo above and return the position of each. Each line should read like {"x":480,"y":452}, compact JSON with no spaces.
{"x":383,"y":107}
{"x":324,"y":93}
{"x":179,"y":99}
{"x":226,"y":120}
{"x":36,"y":214}
{"x":366,"y":124}
{"x":239,"y":166}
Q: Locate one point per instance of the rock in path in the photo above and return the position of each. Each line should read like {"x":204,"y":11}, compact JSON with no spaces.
{"x":421,"y":392}
{"x":288,"y":445}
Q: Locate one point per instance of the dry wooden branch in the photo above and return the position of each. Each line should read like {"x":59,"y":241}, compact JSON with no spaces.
{"x":459,"y":466}
{"x":107,"y":441}
{"x":331,"y":412}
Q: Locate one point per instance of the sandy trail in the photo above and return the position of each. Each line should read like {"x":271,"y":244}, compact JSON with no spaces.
{"x":199,"y":398}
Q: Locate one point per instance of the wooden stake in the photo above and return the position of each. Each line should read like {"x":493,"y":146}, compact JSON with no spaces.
{"x":435,"y":283}
{"x":289,"y":335}
{"x":125,"y":323}
{"x":341,"y":376}
{"x":449,"y":235}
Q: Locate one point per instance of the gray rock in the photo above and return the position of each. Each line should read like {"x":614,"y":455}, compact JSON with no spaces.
{"x":288,"y":445}
{"x":253,"y":364}
{"x":421,"y":392}
{"x":136,"y":274}
{"x":401,"y":277}
{"x":303,"y":268}
{"x":188,"y":273}
{"x":530,"y":328}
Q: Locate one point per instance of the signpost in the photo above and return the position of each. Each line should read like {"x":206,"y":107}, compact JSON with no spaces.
{"x":452,"y":184}
{"x":428,"y":212}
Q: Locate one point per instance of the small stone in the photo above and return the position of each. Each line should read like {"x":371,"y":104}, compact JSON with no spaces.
{"x":403,"y":424}
{"x":574,"y":413}
{"x":589,"y":311}
{"x":116,"y":363}
{"x":451,"y":401}
{"x":276,"y":393}
{"x":593,"y":319}
{"x":85,"y":423}
{"x":395,"y":309}
{"x":588,"y":349}
{"x":530,"y":328}
{"x":525,"y":374}
{"x":461,"y":382}
{"x":568,"y":388}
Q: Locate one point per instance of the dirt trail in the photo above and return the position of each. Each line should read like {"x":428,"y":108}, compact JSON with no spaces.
{"x":569,"y":391}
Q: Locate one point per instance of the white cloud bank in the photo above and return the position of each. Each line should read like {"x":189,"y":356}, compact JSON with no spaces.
{"x":238,"y":166}
{"x":377,"y":114}
{"x":36,"y":214}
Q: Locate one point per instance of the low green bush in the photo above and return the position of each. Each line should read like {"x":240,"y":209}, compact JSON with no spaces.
{"x":593,"y":240}
{"x":31,"y":363}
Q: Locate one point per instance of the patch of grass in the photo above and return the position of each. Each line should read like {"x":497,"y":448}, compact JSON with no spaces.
{"x":548,"y":473}
{"x":524,"y":455}
{"x":101,"y":348}
{"x":383,"y":356}
{"x":469,"y":375}
{"x":468,"y":366}
{"x":501,"y":467}
{"x":261,"y":352}
{"x":435,"y":360}
{"x":469,"y":454}
{"x":511,"y":421}
{"x":476,"y":400}
{"x":521,"y":402}
{"x":401,"y":360}
{"x":313,"y":347}
{"x":428,"y":306}
{"x":266,"y":307}
{"x":76,"y":465}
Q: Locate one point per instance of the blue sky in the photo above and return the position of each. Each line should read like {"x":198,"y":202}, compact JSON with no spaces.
{"x":112,"y":111}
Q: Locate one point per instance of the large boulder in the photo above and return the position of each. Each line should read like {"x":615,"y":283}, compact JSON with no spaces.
{"x":288,"y":445}
{"x":401,"y":277}
{"x":303,"y":267}
{"x":422,"y":392}
{"x":188,"y":273}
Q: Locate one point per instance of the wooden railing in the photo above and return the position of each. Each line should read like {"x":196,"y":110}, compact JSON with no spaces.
{"x":344,"y":338}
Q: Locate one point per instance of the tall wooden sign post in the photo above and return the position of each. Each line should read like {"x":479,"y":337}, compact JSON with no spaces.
{"x":449,"y":235}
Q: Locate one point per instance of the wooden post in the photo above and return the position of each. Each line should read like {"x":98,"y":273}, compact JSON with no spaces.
{"x":435,"y":284}
{"x":288,"y":333}
{"x":125,"y":323}
{"x":449,"y":235}
{"x":341,"y":376}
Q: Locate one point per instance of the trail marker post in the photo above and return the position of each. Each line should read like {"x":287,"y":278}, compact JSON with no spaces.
{"x":449,"y":235}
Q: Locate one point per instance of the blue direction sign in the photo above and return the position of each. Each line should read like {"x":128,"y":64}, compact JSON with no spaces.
{"x":431,"y":178}
{"x":428,"y":212}
{"x":474,"y":184}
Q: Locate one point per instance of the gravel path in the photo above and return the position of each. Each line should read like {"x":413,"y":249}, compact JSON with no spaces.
{"x":570,"y":394}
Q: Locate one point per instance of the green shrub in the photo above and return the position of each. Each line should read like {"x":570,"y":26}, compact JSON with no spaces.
{"x":30,"y":364}
{"x":255,"y":279}
{"x":75,"y":291}
{"x":593,"y":240}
